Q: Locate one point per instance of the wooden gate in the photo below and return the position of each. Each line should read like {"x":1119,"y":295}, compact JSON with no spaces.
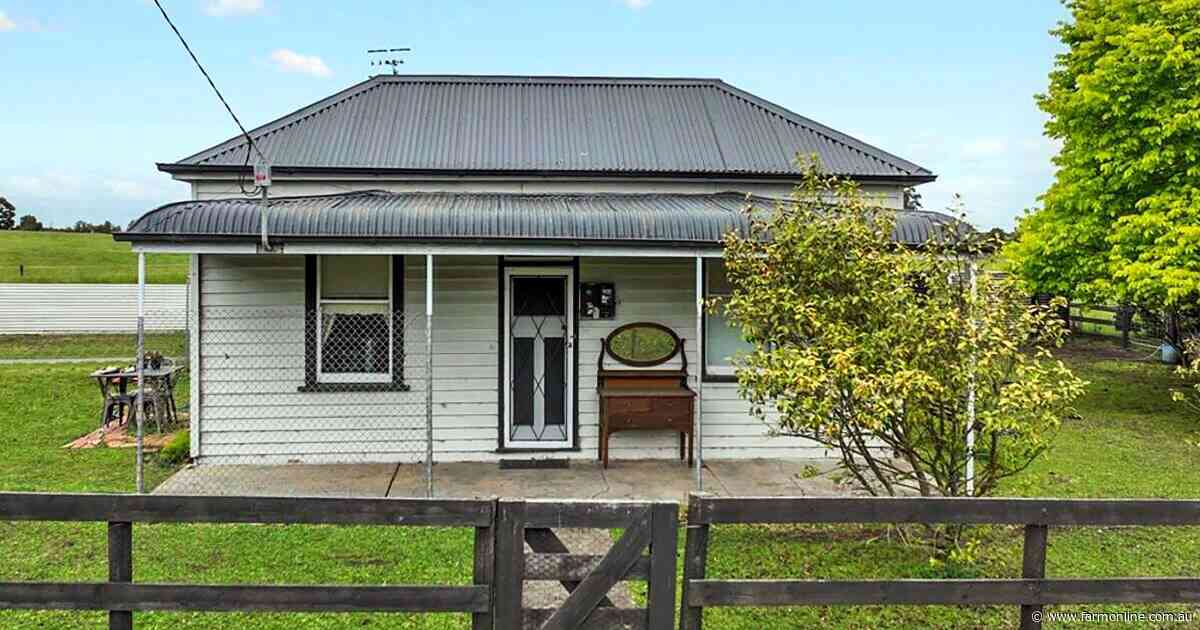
{"x":645,"y":551}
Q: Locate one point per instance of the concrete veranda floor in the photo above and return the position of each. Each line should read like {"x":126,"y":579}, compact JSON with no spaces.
{"x":624,"y":479}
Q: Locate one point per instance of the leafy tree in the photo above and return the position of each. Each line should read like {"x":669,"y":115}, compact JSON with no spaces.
{"x":8,"y":215}
{"x":1122,"y":219}
{"x":30,"y":223}
{"x":859,"y":344}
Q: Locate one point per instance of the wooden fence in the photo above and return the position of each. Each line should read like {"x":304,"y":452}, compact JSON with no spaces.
{"x":122,"y":597}
{"x":501,"y":565}
{"x":1031,"y":592}
{"x":504,"y":527}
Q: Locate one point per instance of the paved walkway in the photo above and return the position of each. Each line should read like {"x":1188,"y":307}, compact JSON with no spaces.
{"x":624,"y":479}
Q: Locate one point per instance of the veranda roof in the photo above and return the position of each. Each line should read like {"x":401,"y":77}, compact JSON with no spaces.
{"x":626,"y":218}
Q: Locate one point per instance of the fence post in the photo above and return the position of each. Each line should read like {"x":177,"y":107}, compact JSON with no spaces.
{"x":510,"y":563}
{"x":485,"y":565}
{"x":1033,"y":567}
{"x":660,"y":592}
{"x":120,"y":569}
{"x":695,"y":563}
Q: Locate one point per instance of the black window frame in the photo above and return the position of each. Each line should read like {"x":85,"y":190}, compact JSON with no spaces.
{"x":311,"y":334}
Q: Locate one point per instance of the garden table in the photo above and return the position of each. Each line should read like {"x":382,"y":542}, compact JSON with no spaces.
{"x":159,"y":394}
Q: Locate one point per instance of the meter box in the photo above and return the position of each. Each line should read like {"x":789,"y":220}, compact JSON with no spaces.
{"x":598,"y":300}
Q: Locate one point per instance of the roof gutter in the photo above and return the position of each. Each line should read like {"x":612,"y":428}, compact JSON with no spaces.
{"x":355,"y":171}
{"x":134,"y":237}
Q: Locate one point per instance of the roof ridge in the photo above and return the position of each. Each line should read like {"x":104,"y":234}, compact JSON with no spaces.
{"x":536,"y":78}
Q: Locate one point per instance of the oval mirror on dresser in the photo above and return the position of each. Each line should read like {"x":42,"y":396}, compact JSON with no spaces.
{"x":642,"y":344}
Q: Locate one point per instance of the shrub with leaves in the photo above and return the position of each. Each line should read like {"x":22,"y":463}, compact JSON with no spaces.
{"x":176,"y":452}
{"x":1190,"y":394}
{"x":871,"y":349}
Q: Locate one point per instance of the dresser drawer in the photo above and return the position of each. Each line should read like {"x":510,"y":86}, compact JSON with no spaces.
{"x":629,"y":405}
{"x":618,"y":422}
{"x":673,"y":407}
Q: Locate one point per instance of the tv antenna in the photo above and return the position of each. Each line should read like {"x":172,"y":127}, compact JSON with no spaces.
{"x":388,"y":57}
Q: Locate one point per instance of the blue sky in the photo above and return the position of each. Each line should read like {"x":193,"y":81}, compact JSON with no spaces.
{"x":95,"y":92}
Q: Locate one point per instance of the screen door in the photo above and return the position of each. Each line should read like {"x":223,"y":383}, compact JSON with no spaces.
{"x":539,"y":378}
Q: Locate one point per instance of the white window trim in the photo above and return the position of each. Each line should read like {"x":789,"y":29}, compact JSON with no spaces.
{"x":345,"y":377}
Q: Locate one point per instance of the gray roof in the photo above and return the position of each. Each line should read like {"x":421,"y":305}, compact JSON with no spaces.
{"x":552,"y":125}
{"x":626,"y":218}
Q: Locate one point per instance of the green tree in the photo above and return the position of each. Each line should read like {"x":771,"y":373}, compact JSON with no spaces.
{"x":8,"y":215}
{"x":871,"y":350}
{"x":1122,"y":219}
{"x":29,"y":223}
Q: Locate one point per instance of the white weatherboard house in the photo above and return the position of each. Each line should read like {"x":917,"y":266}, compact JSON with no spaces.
{"x":523,"y":200}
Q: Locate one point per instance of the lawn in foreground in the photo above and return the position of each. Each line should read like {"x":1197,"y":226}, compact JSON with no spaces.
{"x":66,"y":257}
{"x":1129,"y":441}
{"x":45,"y":406}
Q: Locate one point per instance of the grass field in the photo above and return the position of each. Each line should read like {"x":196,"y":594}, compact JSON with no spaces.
{"x":1130,"y":441}
{"x":50,"y":257}
{"x":88,"y":346}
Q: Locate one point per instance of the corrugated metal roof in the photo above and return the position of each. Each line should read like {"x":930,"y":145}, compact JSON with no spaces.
{"x":553,"y":124}
{"x":645,"y":218}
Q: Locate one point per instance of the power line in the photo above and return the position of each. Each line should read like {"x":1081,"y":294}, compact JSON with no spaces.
{"x":249,"y":140}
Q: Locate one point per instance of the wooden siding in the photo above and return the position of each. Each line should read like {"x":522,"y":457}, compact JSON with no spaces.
{"x":253,"y":363}
{"x":663,"y":291}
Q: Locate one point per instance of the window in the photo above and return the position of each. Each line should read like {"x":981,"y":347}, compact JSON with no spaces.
{"x":722,"y":341}
{"x":355,"y":322}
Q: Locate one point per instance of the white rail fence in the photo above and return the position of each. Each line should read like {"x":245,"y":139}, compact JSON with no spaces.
{"x":31,"y":309}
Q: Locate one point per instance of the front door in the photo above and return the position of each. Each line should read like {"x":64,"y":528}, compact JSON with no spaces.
{"x":538,"y":372}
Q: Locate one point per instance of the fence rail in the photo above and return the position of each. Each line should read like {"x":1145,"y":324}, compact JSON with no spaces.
{"x":1031,"y":592}
{"x":501,"y":565}
{"x":503,"y":529}
{"x":121,"y":597}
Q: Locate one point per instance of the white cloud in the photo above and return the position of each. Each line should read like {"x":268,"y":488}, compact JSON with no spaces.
{"x":6,"y":24}
{"x":133,"y":190}
{"x":292,"y":61}
{"x":45,"y":185}
{"x":985,"y":148}
{"x":233,"y":7}
{"x":636,"y":4}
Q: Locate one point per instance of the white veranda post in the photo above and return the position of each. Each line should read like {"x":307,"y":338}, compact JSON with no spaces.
{"x":140,"y":362}
{"x":697,"y":430}
{"x":428,"y":373}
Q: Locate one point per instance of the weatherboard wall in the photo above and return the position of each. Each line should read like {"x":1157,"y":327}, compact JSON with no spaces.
{"x":251,"y":366}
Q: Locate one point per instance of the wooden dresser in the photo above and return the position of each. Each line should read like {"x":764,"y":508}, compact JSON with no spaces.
{"x":645,"y":400}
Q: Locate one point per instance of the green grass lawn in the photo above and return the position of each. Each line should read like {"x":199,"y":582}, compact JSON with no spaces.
{"x":66,"y":257}
{"x":46,"y":406}
{"x":89,"y":346}
{"x":1131,"y":441}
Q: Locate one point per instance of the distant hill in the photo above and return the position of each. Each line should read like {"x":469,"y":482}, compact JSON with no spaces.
{"x":68,"y":257}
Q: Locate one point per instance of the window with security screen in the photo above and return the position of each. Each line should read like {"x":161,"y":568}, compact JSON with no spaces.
{"x":356,"y":320}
